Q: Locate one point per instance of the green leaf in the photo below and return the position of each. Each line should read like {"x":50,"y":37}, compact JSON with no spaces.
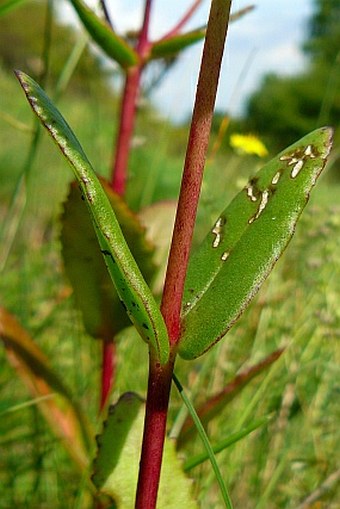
{"x":53,"y":398}
{"x":94,"y":294}
{"x":125,"y":274}
{"x":114,"y":46}
{"x":173,"y":45}
{"x":245,"y":242}
{"x":170,"y":46}
{"x":117,"y":462}
{"x":10,"y":5}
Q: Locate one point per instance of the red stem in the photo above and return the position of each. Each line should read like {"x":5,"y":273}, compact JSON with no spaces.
{"x":154,"y":434}
{"x":143,"y":40}
{"x":128,"y":108}
{"x":126,"y":126}
{"x":120,"y":164}
{"x":194,"y":166}
{"x":183,"y":20}
{"x":108,"y":371}
{"x":160,"y":376}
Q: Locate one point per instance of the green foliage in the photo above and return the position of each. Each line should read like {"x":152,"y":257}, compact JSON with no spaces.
{"x":113,"y":45}
{"x":125,"y":274}
{"x":115,"y":474}
{"x":94,"y":293}
{"x":323,"y":41}
{"x":10,"y":5}
{"x":56,"y":402}
{"x":208,"y":448}
{"x":172,"y":46}
{"x":263,"y":471}
{"x":297,"y":306}
{"x":285,"y":108}
{"x":22,"y":49}
{"x":247,"y":239}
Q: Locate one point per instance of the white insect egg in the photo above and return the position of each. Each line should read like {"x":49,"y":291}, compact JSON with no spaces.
{"x":250,"y":192}
{"x":285,"y":157}
{"x":297,"y":168}
{"x":224,"y":256}
{"x":217,"y":232}
{"x":276,"y":178}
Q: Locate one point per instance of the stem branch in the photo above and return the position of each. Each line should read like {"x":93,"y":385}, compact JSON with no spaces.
{"x":128,"y":108}
{"x":126,"y":126}
{"x":183,"y":20}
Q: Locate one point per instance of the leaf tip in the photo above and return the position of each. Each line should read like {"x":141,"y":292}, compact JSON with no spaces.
{"x":329,"y":134}
{"x":24,"y":79}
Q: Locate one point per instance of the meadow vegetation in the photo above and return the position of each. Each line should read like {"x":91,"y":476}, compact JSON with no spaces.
{"x":291,"y":461}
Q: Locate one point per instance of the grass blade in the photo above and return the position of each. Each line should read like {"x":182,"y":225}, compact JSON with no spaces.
{"x":10,"y":5}
{"x":53,"y":398}
{"x":217,"y":402}
{"x":206,"y":443}
{"x":224,"y":444}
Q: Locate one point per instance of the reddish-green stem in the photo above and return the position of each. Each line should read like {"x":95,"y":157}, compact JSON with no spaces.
{"x":160,"y":376}
{"x":194,"y":166}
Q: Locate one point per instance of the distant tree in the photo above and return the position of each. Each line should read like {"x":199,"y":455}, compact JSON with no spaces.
{"x":286,"y":108}
{"x":323,"y":43}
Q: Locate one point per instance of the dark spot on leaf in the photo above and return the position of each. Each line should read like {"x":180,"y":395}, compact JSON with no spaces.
{"x":253,"y":181}
{"x":145,"y":326}
{"x":124,"y":305}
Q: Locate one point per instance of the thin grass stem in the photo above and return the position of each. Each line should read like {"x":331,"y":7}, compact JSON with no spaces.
{"x":206,"y":443}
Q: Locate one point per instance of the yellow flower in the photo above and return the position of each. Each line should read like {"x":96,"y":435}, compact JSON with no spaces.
{"x":248,"y":144}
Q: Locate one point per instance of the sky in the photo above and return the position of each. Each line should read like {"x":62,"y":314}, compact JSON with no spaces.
{"x":268,"y":39}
